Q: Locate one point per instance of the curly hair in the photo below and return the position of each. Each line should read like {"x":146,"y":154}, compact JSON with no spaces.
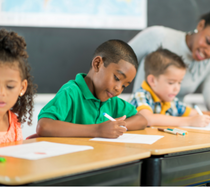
{"x":13,"y":50}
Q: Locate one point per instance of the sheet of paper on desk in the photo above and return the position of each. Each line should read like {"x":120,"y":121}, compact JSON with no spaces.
{"x":207,"y":128}
{"x":38,"y":150}
{"x":132,"y":138}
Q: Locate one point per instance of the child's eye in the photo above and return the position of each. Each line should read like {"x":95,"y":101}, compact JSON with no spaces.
{"x":116,"y":78}
{"x":170,"y":83}
{"x":207,"y":41}
{"x":10,"y":87}
{"x":123,"y":86}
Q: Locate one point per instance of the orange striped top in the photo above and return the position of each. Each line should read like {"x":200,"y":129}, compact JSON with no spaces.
{"x":14,"y":132}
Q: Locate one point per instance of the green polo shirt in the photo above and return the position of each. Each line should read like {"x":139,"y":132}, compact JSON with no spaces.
{"x":75,"y":103}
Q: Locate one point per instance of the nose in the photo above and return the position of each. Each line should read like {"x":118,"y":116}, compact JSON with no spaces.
{"x":118,"y":88}
{"x":2,"y":91}
{"x":177,"y":88}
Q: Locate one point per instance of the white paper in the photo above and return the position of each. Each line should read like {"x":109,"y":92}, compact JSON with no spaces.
{"x":38,"y":150}
{"x":132,"y":138}
{"x":207,"y":128}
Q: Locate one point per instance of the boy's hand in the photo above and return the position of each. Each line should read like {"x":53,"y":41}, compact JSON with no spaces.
{"x":200,"y":121}
{"x":121,"y":118}
{"x":112,"y":129}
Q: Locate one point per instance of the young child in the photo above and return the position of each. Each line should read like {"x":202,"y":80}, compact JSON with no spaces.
{"x":156,"y":98}
{"x":78,"y":107}
{"x":16,"y":87}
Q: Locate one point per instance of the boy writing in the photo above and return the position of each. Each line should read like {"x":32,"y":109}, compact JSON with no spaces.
{"x":78,"y":107}
{"x":156,"y":98}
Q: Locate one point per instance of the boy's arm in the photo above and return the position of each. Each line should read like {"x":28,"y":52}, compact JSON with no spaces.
{"x":164,"y":120}
{"x":136,"y":122}
{"x":109,"y":129}
{"x":206,"y":112}
{"x":193,"y":112}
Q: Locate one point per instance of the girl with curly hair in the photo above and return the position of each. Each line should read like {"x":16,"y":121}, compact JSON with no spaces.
{"x":16,"y":87}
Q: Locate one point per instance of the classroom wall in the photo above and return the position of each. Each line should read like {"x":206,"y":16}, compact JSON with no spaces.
{"x":58,"y":54}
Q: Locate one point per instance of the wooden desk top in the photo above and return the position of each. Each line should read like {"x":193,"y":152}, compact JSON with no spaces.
{"x":16,"y":171}
{"x":169,"y":143}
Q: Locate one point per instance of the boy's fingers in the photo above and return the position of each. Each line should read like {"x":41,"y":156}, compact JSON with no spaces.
{"x":124,"y":127}
{"x":121,"y":118}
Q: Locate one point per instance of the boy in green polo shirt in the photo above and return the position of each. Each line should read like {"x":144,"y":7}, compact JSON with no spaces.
{"x":78,"y":107}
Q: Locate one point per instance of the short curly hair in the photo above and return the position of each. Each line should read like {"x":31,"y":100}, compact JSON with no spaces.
{"x":13,"y":50}
{"x":157,"y":62}
{"x":112,"y":51}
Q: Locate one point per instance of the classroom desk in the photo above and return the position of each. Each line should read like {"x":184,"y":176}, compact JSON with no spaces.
{"x":175,"y":159}
{"x":103,"y":165}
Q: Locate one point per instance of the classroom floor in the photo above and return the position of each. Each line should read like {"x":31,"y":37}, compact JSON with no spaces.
{"x":42,"y":99}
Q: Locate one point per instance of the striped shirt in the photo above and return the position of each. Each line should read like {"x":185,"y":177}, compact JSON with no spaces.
{"x":145,"y":98}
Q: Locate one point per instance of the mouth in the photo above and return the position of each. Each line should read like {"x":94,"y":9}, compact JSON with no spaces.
{"x":2,"y":104}
{"x":199,"y":55}
{"x":110,"y":94}
{"x":172,"y":95}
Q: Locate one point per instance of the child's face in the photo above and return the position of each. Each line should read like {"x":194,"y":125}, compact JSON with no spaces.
{"x":11,"y":86}
{"x":110,"y":81}
{"x":201,"y":42}
{"x":167,"y":85}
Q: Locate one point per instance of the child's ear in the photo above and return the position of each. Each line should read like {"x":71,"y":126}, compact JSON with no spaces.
{"x":24,"y":85}
{"x":97,"y":62}
{"x":151,"y":80}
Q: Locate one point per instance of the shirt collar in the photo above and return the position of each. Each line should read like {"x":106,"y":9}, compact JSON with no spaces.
{"x":165,"y":105}
{"x":84,"y":87}
{"x":146,"y":87}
